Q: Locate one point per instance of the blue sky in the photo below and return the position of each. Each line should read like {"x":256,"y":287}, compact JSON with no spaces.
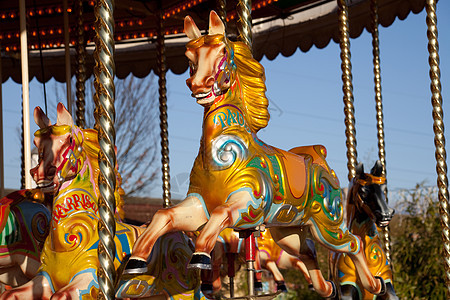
{"x":305,"y":93}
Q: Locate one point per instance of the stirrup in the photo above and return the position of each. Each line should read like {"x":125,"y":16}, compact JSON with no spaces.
{"x":383,"y":286}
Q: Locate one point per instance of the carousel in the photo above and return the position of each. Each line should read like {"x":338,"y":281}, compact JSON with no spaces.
{"x":65,"y":238}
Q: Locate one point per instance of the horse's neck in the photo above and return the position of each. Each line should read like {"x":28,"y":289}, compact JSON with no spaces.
{"x":225,"y":112}
{"x":84,"y":180}
{"x":355,"y":216}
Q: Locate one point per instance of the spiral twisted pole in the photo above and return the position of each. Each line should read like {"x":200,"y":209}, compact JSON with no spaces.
{"x":347,"y":88}
{"x":162,"y":69}
{"x":81,"y":68}
{"x":439,"y":138}
{"x":244,"y":23}
{"x":385,"y":236}
{"x":104,"y":72}
{"x":222,"y":11}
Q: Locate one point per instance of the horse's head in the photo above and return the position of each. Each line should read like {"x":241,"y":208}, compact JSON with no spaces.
{"x":210,"y":61}
{"x":371,"y":194}
{"x":59,"y":149}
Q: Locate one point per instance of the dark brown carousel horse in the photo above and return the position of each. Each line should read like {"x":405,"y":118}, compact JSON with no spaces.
{"x":366,"y":210}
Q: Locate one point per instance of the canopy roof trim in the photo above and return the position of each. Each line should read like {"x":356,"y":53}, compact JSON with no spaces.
{"x":279,"y":26}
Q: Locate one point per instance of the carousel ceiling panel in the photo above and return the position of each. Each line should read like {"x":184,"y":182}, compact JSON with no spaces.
{"x":279,"y":26}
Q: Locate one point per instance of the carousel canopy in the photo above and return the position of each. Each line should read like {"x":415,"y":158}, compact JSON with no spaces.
{"x":279,"y":26}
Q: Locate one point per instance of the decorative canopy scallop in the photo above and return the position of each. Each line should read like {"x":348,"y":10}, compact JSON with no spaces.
{"x":279,"y":26}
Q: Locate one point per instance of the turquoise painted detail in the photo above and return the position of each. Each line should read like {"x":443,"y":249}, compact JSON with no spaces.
{"x":202,"y":201}
{"x":255,"y":204}
{"x":45,"y":274}
{"x":92,"y":283}
{"x":336,"y":247}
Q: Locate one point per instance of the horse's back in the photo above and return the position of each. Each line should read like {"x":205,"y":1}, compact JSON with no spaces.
{"x":318,"y":153}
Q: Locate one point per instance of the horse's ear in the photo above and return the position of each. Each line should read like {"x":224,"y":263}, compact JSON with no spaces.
{"x":40,"y":118}
{"x":191,"y":29}
{"x":377,"y":169}
{"x":63,"y":116}
{"x":359,"y":171}
{"x":215,"y":24}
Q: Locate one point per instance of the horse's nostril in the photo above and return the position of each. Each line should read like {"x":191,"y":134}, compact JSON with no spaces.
{"x":209,"y":82}
{"x":51,"y":171}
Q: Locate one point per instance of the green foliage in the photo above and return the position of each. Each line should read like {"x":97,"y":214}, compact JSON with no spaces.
{"x":417,"y":246}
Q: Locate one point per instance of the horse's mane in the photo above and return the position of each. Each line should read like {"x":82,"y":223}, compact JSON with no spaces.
{"x":252,"y":79}
{"x":92,"y":148}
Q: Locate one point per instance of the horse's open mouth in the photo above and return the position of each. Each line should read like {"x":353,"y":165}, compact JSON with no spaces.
{"x":383,"y":223}
{"x":203,"y":97}
{"x":46,"y":185}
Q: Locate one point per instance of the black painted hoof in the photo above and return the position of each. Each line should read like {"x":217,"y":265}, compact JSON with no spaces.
{"x":311,"y":287}
{"x":334,"y":292}
{"x":135,"y":266}
{"x":200,"y":261}
{"x":258,"y":286}
{"x":383,"y":286}
{"x":206,"y":288}
{"x":281,"y":286}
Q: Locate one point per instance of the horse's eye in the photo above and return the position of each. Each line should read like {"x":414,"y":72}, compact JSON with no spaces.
{"x":192,"y":68}
{"x":70,"y":140}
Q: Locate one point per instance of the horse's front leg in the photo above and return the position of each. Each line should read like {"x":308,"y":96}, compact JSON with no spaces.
{"x":189,"y":215}
{"x":226,"y":215}
{"x":79,"y":287}
{"x":37,"y":289}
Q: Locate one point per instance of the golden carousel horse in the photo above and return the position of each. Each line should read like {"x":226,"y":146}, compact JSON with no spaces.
{"x":68,"y":168}
{"x":238,"y":181}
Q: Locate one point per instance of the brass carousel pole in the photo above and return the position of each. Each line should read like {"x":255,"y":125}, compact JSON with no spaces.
{"x":81,"y":69}
{"x":439,"y":138}
{"x":222,"y":11}
{"x":104,"y":73}
{"x":161,"y":53}
{"x":244,"y":23}
{"x":347,"y":88}
{"x":379,"y":109}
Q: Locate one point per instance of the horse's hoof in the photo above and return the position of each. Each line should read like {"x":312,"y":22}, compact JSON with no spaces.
{"x":207,"y":288}
{"x":383,"y":286}
{"x":334,"y":291}
{"x":281,"y":286}
{"x":311,"y":287}
{"x":258,"y":286}
{"x":135,"y":266}
{"x":200,"y":261}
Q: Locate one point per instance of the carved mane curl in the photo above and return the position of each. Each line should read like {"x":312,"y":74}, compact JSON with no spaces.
{"x":92,"y":148}
{"x":252,"y":79}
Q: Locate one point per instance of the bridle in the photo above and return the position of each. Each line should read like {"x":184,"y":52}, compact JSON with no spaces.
{"x":371,"y":179}
{"x":70,"y":160}
{"x":223,"y":74}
